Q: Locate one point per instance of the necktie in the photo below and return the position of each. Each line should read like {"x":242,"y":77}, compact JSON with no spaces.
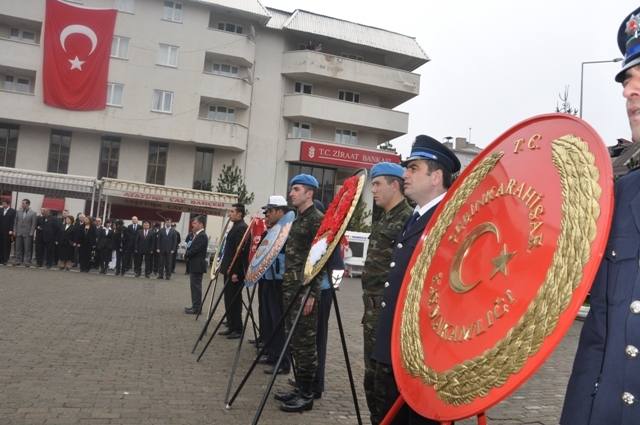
{"x":415,"y":217}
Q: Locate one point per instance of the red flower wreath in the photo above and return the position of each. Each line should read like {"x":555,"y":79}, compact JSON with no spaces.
{"x":338,"y":210}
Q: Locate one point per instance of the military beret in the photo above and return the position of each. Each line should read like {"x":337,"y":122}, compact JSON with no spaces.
{"x":305,"y":179}
{"x":387,"y":169}
{"x":425,"y":147}
{"x":629,"y":42}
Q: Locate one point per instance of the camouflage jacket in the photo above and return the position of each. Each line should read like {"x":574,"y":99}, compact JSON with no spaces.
{"x":303,"y":230}
{"x":383,"y":232}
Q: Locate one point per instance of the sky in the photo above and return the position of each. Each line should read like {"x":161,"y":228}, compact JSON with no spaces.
{"x":495,"y":63}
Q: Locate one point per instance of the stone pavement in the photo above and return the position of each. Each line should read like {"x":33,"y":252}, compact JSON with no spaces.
{"x":90,"y":349}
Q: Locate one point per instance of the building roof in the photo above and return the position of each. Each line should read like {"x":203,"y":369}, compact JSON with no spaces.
{"x":351,"y":32}
{"x":249,"y":7}
{"x":51,"y":184}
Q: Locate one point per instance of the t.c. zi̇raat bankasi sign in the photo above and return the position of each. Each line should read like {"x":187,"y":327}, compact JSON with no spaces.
{"x":321,"y":153}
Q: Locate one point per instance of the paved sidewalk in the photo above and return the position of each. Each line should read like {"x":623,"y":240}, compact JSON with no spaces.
{"x":92,"y":349}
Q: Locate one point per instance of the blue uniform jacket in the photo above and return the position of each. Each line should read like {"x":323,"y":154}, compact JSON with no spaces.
{"x":604,"y":388}
{"x":405,"y":242}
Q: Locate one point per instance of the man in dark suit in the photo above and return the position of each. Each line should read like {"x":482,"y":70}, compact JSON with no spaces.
{"x":104,"y":246}
{"x":428,"y":175}
{"x":47,"y":237}
{"x":165,"y":248}
{"x":129,"y":244}
{"x":7,"y":219}
{"x":234,"y":271}
{"x":604,"y":387}
{"x":196,"y":254}
{"x":143,"y":250}
{"x":175,"y":250}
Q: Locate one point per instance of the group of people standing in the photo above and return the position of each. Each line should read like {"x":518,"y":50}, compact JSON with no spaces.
{"x":85,"y":242}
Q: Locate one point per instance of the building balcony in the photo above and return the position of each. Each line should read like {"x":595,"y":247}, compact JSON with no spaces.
{"x":304,"y":107}
{"x":395,"y":85}
{"x":239,"y":48}
{"x":220,"y":134}
{"x":230,"y":91}
{"x":20,"y":54}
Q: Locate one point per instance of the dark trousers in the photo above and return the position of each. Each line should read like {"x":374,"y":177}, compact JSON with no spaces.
{"x":324,"y":311}
{"x":155,"y":262}
{"x":165,"y":264}
{"x":137,"y":263}
{"x":266,"y":327}
{"x":148,"y":263}
{"x":39,"y":252}
{"x":119,"y":262}
{"x":128,"y":260}
{"x":84,"y":257}
{"x":195,"y":281}
{"x":105,"y":259}
{"x":49,"y":254}
{"x":5,"y":247}
{"x":233,"y":304}
{"x":173,"y":261}
{"x":274,"y":310}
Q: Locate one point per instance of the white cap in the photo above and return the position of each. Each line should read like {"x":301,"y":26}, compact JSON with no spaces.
{"x":276,"y":201}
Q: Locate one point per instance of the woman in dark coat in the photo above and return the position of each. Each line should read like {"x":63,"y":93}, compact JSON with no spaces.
{"x":118,"y":246}
{"x":86,"y":239}
{"x":67,"y":243}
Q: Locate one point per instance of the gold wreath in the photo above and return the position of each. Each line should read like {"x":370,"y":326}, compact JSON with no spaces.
{"x":580,"y":210}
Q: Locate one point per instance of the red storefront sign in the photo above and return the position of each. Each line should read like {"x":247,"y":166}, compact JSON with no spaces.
{"x":342,"y":156}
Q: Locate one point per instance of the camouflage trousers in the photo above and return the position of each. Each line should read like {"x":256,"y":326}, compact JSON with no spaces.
{"x":373,"y":371}
{"x":303,"y":343}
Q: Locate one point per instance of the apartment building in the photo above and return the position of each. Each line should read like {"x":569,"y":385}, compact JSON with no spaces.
{"x":196,"y":84}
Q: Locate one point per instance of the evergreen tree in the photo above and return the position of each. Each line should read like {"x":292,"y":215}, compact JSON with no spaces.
{"x":231,"y":181}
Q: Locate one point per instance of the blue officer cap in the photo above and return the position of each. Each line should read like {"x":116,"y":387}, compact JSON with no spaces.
{"x":629,"y":42}
{"x":387,"y":169}
{"x":426,"y":147}
{"x":305,"y":179}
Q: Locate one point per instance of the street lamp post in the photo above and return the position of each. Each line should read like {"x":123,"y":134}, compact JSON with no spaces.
{"x":582,"y":76}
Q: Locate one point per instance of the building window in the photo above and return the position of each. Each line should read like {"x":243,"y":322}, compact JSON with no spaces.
{"x":222,"y":69}
{"x":227,"y":26}
{"x":119,"y":47}
{"x":8,"y":144}
{"x":126,"y":6}
{"x":59,"y":146}
{"x":301,"y":130}
{"x":221,"y":113}
{"x":109,"y":157}
{"x":203,"y":169}
{"x":326,"y":178}
{"x":17,"y":84}
{"x":114,"y":94}
{"x":162,"y":101}
{"x":168,"y":55}
{"x":172,"y":11}
{"x":22,"y":34}
{"x":349,"y":96}
{"x":303,"y":88}
{"x":157,"y":164}
{"x":347,"y":137}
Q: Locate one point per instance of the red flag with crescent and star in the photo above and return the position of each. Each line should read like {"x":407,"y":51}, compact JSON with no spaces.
{"x":77,"y":46}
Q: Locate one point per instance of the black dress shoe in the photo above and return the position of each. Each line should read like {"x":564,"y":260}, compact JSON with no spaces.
{"x":285,"y":396}
{"x":281,"y":371}
{"x":264,"y":359}
{"x":191,"y":310}
{"x":234,"y":335}
{"x":159,"y":277}
{"x":225,"y":332}
{"x":304,"y":401}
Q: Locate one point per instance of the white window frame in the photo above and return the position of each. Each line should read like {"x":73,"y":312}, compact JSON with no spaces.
{"x":162,"y":99}
{"x":346,"y":136}
{"x":121,"y":43}
{"x":302,"y":87}
{"x":113,"y":97}
{"x":237,"y":28}
{"x":355,"y":95}
{"x":301,"y":130}
{"x":174,"y":12}
{"x":20,"y":36}
{"x":221,"y":113}
{"x":233,"y":70}
{"x":17,"y":86}
{"x":125,"y":6}
{"x":166,"y":58}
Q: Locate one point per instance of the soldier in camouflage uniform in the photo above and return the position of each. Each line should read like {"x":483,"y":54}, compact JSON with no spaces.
{"x":386,"y":187}
{"x":303,"y":345}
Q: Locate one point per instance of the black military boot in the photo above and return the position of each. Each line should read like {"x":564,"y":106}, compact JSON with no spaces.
{"x":286,"y":396}
{"x":303,"y":401}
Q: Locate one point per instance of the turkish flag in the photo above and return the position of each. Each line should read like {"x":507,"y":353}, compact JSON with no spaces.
{"x":77,"y":46}
{"x":258,"y":226}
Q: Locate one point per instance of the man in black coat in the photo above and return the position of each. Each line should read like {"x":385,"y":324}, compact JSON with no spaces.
{"x":234,"y":271}
{"x":104,"y":246}
{"x":7,"y":219}
{"x":175,"y":250}
{"x":430,"y":168}
{"x":47,"y":237}
{"x":166,"y":246}
{"x":196,"y":255}
{"x":129,"y":244}
{"x":143,"y":250}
